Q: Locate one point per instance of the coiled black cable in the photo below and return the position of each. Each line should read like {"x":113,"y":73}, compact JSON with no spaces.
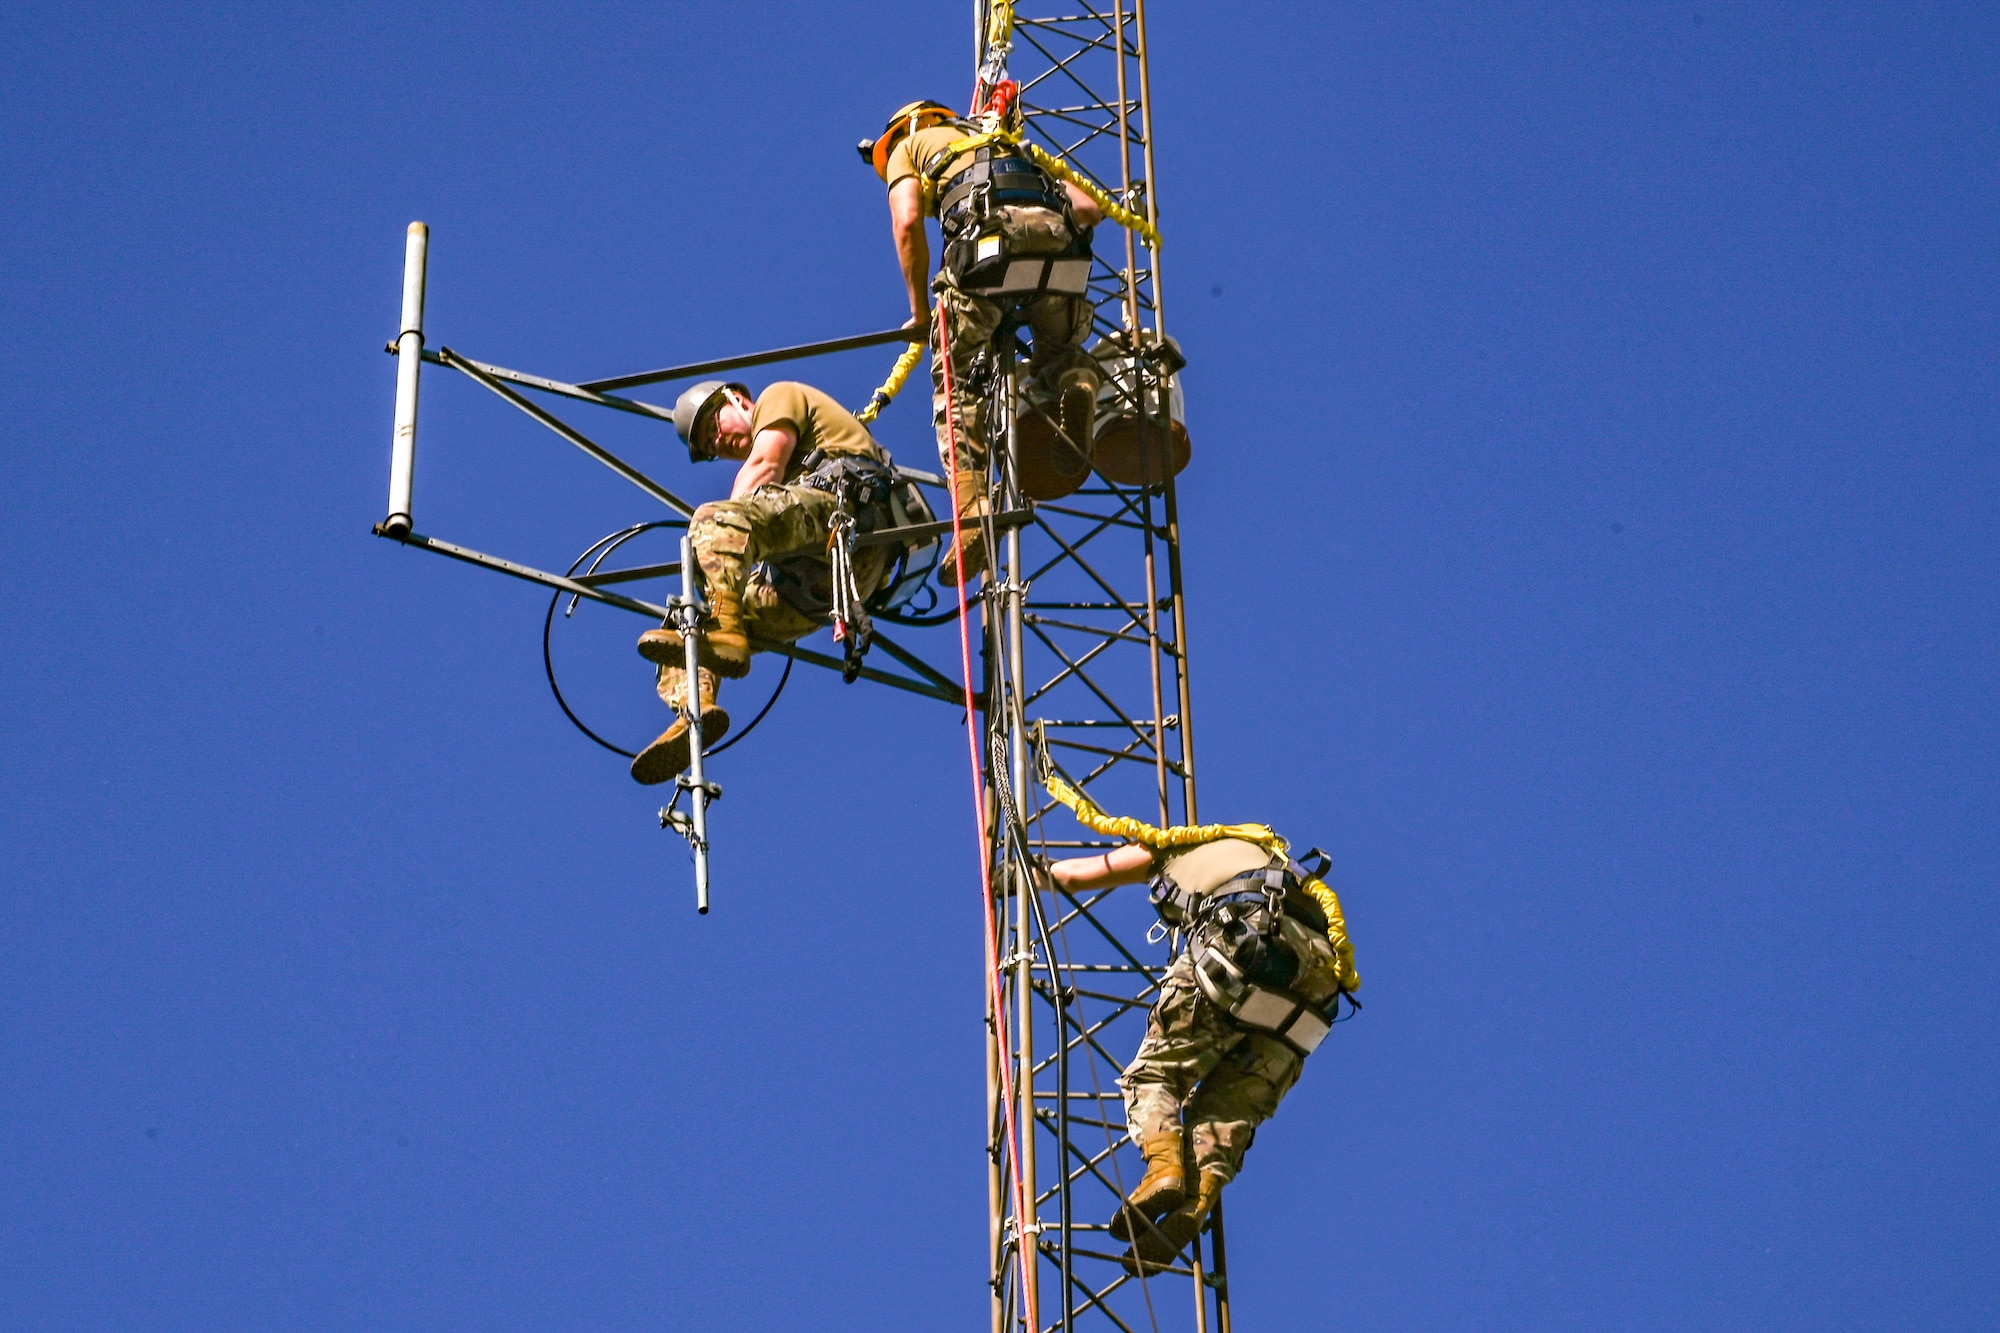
{"x":595,"y":554}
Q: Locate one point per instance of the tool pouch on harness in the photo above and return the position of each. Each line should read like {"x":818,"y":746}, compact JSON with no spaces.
{"x":917,"y":557}
{"x":982,"y":256}
{"x":1241,"y":960}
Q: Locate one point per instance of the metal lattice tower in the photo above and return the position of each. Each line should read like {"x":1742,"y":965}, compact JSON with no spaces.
{"x":1085,"y":662}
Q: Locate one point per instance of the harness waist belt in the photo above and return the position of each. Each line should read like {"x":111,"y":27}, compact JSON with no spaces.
{"x":859,"y":482}
{"x":1034,"y":275}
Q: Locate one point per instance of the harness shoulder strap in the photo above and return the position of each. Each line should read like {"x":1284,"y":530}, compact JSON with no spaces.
{"x":1175,"y":904}
{"x":1282,"y":886}
{"x":933,"y":170}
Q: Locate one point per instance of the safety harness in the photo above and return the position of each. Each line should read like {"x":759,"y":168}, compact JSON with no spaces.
{"x":1237,"y":948}
{"x":860,"y":484}
{"x":823,"y":586}
{"x":1234,"y":938}
{"x":1006,"y":179}
{"x":979,"y":256}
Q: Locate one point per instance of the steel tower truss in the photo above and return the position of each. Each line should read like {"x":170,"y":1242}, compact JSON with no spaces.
{"x":1085,"y":668}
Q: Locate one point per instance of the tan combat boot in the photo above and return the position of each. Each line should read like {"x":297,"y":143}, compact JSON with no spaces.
{"x":1160,"y":1191}
{"x":1079,"y":408}
{"x":662,"y":645}
{"x":1161,"y":1243}
{"x":971,"y":488}
{"x":725,"y":645}
{"x":673,"y":751}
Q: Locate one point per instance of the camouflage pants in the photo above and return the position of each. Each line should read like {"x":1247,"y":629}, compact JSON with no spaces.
{"x":773,"y":522}
{"x":1059,"y":326}
{"x":1196,"y":1069}
{"x":732,"y":537}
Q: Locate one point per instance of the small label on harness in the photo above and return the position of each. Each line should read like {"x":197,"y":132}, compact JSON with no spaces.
{"x":987,"y":247}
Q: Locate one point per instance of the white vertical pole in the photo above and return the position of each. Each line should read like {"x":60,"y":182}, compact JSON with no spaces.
{"x":409,"y":361}
{"x":687,"y":611}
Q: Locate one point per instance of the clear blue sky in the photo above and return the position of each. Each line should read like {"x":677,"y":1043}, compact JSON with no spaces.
{"x":1591,"y":534}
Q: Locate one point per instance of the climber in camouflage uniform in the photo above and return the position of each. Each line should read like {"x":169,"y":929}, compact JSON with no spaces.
{"x":762,"y":551}
{"x":1266,"y":963}
{"x":993,"y":205}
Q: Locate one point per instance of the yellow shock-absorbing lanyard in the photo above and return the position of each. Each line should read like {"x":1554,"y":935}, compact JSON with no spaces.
{"x":1092,"y":817}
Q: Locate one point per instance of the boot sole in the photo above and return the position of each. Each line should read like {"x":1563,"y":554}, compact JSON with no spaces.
{"x":729,"y":667}
{"x":657,"y":648}
{"x":1079,"y":419}
{"x":1141,"y":1214}
{"x":666,"y":757}
{"x":1160,"y":1245}
{"x":663,"y":651}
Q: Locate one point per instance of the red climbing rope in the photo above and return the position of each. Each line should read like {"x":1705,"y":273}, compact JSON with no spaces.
{"x":1024,"y":1238}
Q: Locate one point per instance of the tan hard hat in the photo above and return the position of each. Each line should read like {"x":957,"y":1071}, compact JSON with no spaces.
{"x":907,"y":120}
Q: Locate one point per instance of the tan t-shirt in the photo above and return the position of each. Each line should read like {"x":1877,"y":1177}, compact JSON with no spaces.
{"x":819,"y":422}
{"x":913,"y":152}
{"x":1205,"y":868}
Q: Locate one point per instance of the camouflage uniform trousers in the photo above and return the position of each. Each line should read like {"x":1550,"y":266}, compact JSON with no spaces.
{"x":1196,"y":1069}
{"x":774,"y":522}
{"x":1060,"y":325}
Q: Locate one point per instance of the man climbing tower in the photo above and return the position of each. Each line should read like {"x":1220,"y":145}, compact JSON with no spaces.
{"x":1253,"y":992}
{"x":764,"y":551}
{"x":995,"y":206}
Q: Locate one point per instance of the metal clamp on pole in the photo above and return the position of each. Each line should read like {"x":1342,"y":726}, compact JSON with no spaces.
{"x":685,"y":612}
{"x":409,"y":363}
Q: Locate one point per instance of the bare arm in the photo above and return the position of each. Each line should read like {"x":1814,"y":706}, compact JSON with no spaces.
{"x":1082,"y":207}
{"x":769,"y":453}
{"x":1121,"y":865}
{"x":913,"y":245}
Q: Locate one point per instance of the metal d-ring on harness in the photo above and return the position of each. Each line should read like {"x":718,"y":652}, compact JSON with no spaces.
{"x":1239,"y":956}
